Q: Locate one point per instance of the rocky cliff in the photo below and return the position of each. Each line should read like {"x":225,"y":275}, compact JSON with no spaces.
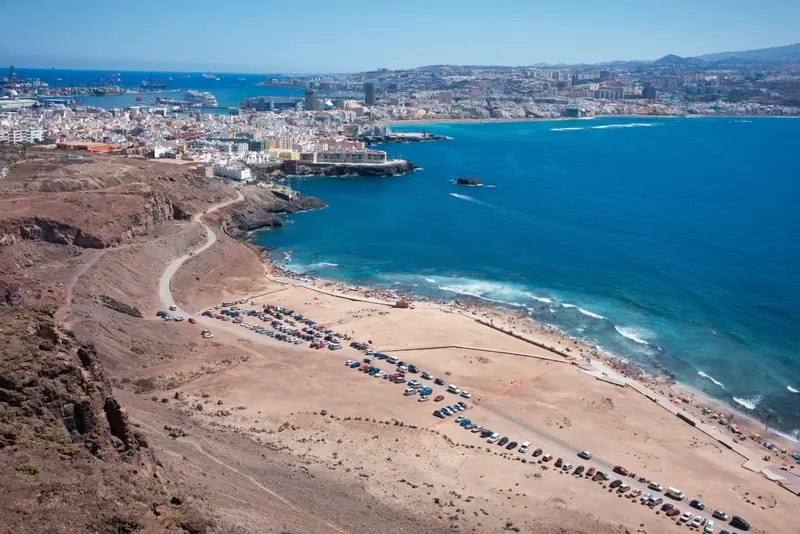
{"x":390,"y":169}
{"x":262,"y":209}
{"x":70,"y":461}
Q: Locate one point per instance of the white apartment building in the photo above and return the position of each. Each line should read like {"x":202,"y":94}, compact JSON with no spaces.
{"x":238,"y":173}
{"x":21,"y":136}
{"x":344,"y":156}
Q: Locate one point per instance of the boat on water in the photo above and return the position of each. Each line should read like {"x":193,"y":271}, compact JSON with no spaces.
{"x":241,"y":79}
{"x":197,"y":98}
{"x":209,"y":75}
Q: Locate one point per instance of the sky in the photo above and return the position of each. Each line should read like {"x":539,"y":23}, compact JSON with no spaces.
{"x":312,"y":36}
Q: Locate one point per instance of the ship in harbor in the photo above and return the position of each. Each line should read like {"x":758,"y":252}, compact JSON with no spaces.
{"x":151,"y":85}
{"x":209,"y":75}
{"x":196,"y":98}
{"x":111,"y":90}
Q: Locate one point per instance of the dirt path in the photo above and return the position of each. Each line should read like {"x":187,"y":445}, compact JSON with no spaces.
{"x":164,"y":284}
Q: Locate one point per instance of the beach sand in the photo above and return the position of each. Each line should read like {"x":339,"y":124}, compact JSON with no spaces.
{"x":527,"y":393}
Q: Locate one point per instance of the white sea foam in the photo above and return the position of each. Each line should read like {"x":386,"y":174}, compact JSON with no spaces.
{"x":591,"y":314}
{"x":565,"y":129}
{"x":502,"y":293}
{"x":567,"y":305}
{"x":749,"y":402}
{"x":546,"y":300}
{"x":627,"y":125}
{"x":634,"y":334}
{"x":464,"y":197}
{"x":794,"y":435}
{"x":705,"y":375}
{"x":327,"y":264}
{"x":790,"y":388}
{"x":431,"y":280}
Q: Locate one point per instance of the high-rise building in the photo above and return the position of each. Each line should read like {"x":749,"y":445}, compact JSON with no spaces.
{"x":649,"y":92}
{"x":12,"y":74}
{"x":369,"y":93}
{"x":310,"y":102}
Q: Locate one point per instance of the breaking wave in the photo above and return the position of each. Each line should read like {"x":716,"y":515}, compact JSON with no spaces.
{"x":790,"y":388}
{"x":748,"y":402}
{"x":627,"y":125}
{"x":794,"y":435}
{"x":584,"y":311}
{"x":565,"y":129}
{"x":631,"y":333}
{"x":717,"y":382}
{"x":431,"y":280}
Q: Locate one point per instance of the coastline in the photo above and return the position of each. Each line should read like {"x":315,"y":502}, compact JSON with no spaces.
{"x":433,"y":122}
{"x":515,"y":323}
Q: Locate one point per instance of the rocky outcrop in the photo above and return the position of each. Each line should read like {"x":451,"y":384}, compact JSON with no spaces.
{"x":394,"y":168}
{"x":42,"y":229}
{"x":120,"y":307}
{"x":263,"y":208}
{"x":469,"y":181}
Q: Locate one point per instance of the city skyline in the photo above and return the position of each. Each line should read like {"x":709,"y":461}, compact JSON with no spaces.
{"x":166,"y":37}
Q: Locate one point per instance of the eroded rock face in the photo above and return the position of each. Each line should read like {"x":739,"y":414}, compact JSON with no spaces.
{"x":263,"y":209}
{"x":52,"y":385}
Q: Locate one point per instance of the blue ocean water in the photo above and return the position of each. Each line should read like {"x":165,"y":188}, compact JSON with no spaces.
{"x":228,"y":89}
{"x":669,"y":242}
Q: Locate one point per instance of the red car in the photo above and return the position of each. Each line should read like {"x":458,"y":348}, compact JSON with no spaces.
{"x":363,"y":368}
{"x":621,"y":470}
{"x":219,"y":316}
{"x":672,"y":512}
{"x":192,"y":321}
{"x":590,"y":473}
{"x":439,"y":398}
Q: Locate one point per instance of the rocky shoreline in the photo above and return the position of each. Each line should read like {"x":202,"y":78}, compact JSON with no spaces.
{"x":263,"y":208}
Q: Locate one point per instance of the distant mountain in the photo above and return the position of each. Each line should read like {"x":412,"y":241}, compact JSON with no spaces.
{"x":672,"y":59}
{"x":776,"y":54}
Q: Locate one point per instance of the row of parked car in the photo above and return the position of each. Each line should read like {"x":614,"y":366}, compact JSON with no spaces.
{"x":654,"y":499}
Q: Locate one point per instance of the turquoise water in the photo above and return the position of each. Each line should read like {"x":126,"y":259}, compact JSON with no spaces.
{"x":671,"y":242}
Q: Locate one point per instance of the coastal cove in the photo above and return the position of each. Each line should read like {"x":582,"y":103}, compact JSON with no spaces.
{"x":662,"y":241}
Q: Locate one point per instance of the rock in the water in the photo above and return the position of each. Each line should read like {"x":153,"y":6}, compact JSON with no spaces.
{"x":469,"y":181}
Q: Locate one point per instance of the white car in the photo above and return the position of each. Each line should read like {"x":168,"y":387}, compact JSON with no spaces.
{"x":379,"y":374}
{"x":423,"y":398}
{"x":173,"y":308}
{"x":477,"y":428}
{"x":686,"y":517}
{"x":655,"y":486}
{"x":697,"y":521}
{"x":525,"y":447}
{"x":409,"y":391}
{"x":493,"y":438}
{"x":348,"y":363}
{"x":459,"y":418}
{"x":709,"y":527}
{"x":466,"y":394}
{"x":646,"y":497}
{"x":369,"y":352}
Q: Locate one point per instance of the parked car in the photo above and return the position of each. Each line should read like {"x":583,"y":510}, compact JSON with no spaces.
{"x":439,"y":414}
{"x":466,"y":422}
{"x":459,"y":418}
{"x":466,"y":394}
{"x":686,"y":517}
{"x":697,"y":521}
{"x":192,"y":320}
{"x":537,"y":452}
{"x":567,"y":466}
{"x":413,"y":369}
{"x":672,"y":512}
{"x":462,"y":404}
{"x":709,"y":527}
{"x":485,"y":433}
{"x":600,"y":475}
{"x":586,"y":455}
{"x":739,"y":523}
{"x":503,"y":441}
{"x":559,"y":462}
{"x":655,"y":486}
{"x":511,"y":446}
{"x":423,"y":398}
{"x":438,"y":398}
{"x":493,"y":438}
{"x":667,"y":506}
{"x":719,"y":514}
{"x":547,"y":457}
{"x":591,"y":471}
{"x":477,"y":428}
{"x":623,"y":488}
{"x":635,"y":493}
{"x":526,"y":445}
{"x":646,"y":497}
{"x":697,"y":504}
{"x":579,"y":470}
{"x":617,"y":483}
{"x":621,"y":470}
{"x":427,"y":376}
{"x":439,"y":382}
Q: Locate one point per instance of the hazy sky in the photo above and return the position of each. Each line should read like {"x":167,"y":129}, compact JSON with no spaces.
{"x":306,"y":36}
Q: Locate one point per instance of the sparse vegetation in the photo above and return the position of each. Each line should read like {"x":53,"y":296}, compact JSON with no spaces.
{"x":28,"y":469}
{"x":6,"y":417}
{"x":143,"y":385}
